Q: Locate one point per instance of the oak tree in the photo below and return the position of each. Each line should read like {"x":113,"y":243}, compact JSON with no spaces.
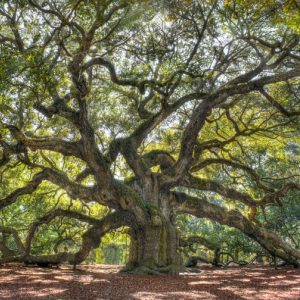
{"x":152,"y":109}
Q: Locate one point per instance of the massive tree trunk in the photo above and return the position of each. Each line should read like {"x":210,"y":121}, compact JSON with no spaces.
{"x":153,"y":249}
{"x":154,"y":243}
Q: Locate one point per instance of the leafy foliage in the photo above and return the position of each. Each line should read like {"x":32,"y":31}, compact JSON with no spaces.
{"x":152,"y":116}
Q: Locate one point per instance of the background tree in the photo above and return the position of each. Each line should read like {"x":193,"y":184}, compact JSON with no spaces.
{"x":128,"y":113}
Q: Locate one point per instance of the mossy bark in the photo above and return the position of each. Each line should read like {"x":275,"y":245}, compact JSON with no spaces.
{"x":154,"y":243}
{"x":153,"y":249}
{"x":269,"y":240}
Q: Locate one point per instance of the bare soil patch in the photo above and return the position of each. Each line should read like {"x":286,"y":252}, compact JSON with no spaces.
{"x":104,"y":282}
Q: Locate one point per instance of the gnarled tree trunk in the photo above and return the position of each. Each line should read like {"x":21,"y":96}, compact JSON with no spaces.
{"x":154,"y":243}
{"x":153,"y":249}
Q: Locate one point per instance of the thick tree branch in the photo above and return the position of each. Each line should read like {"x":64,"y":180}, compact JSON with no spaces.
{"x":213,"y":186}
{"x":201,"y":208}
{"x":90,"y":239}
{"x":26,"y":190}
{"x":52,"y":144}
{"x":74,"y":190}
{"x":272,"y":197}
{"x":141,"y":85}
{"x":278,"y":106}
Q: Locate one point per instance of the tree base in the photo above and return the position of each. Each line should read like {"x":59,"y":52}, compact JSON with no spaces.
{"x":144,"y":269}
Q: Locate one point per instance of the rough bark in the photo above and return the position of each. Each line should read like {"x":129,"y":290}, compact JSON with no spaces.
{"x":266,"y":238}
{"x":154,"y":243}
{"x":153,"y":250}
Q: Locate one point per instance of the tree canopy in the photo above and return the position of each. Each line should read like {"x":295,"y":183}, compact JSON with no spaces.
{"x":140,"y":114}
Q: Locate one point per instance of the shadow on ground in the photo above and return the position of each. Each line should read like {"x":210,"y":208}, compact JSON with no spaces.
{"x":103,"y":282}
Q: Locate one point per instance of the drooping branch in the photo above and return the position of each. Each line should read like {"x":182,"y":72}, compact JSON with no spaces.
{"x":6,"y":251}
{"x":26,"y":190}
{"x":61,"y":241}
{"x":218,"y":253}
{"x":47,"y":218}
{"x":90,"y":239}
{"x":193,"y":260}
{"x":272,"y":196}
{"x":269,"y":240}
{"x":73,"y":189}
{"x":214,"y":186}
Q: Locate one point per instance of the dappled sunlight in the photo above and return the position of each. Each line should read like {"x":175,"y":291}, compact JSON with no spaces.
{"x":31,"y":294}
{"x":102,"y":282}
{"x":203,"y":282}
{"x":188,"y":295}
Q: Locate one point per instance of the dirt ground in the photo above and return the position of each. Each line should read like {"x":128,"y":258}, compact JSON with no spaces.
{"x":103,"y":282}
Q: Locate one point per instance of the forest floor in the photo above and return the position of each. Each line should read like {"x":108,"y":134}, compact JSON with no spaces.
{"x":99,"y":282}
